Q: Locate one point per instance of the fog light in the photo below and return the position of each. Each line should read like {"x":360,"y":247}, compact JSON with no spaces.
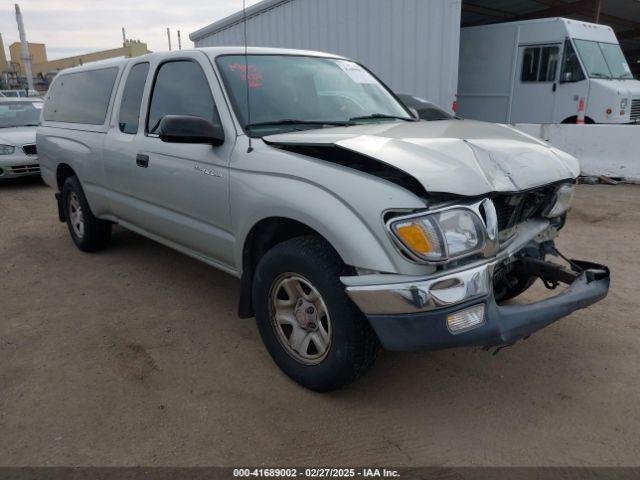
{"x":466,"y":319}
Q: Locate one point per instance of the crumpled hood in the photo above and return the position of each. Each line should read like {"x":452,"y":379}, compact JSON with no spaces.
{"x":17,"y":136}
{"x":462,"y":157}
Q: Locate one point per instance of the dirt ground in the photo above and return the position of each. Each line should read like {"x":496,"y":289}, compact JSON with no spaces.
{"x":135,"y":356}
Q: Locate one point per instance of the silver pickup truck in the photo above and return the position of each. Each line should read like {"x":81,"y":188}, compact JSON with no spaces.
{"x":350,"y":222}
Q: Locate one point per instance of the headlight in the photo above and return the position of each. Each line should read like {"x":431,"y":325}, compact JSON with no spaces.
{"x":563,"y":198}
{"x":624,"y":102}
{"x":7,"y":149}
{"x":440,"y":236}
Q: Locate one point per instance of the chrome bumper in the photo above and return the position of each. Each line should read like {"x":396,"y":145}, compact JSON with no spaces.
{"x":418,"y":313}
{"x":399,"y":294}
{"x":423,"y":296}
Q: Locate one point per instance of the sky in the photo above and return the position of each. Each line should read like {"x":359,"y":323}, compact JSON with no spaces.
{"x":70,"y":27}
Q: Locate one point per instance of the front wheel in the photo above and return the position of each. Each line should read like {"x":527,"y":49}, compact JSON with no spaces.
{"x":313,"y":332}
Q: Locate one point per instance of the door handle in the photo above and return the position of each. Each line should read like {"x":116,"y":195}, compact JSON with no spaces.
{"x":555,"y":86}
{"x":142,"y":160}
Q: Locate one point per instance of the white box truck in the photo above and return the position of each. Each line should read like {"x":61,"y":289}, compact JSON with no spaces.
{"x":551,"y":70}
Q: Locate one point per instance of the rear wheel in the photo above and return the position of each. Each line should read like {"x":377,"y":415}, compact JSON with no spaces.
{"x":311,"y":329}
{"x":89,"y":233}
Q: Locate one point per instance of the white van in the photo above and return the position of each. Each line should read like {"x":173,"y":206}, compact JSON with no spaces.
{"x":545,"y":71}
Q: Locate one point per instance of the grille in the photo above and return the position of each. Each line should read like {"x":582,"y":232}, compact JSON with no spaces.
{"x":19,"y":169}
{"x":635,"y":110}
{"x":518,"y":208}
{"x":30,"y":149}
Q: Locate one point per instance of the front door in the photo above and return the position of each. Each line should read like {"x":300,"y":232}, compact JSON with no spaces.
{"x":572,"y":87}
{"x":535,"y":84}
{"x":183,"y":189}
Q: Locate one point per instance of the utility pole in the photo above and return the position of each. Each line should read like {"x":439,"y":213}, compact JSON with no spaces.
{"x":24,"y":48}
{"x":169,"y":38}
{"x":179,"y":41}
{"x":598,"y":11}
{"x":124,"y":37}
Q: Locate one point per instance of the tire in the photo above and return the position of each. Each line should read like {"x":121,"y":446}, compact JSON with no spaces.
{"x":339,"y":346}
{"x":89,"y":233}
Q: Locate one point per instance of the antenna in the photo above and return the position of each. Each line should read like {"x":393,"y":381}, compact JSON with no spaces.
{"x":246,"y":71}
{"x":169,"y":38}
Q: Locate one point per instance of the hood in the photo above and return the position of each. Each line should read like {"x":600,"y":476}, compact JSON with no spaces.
{"x":17,"y":136}
{"x":460,"y":157}
{"x":623,"y":88}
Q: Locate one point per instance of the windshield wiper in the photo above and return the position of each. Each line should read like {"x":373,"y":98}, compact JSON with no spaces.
{"x":292,"y":121}
{"x":374,"y":116}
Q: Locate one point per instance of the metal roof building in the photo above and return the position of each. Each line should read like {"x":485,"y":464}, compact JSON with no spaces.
{"x":412,"y":45}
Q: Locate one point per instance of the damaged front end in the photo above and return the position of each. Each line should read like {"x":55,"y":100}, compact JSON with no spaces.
{"x":495,"y":200}
{"x":465,"y":301}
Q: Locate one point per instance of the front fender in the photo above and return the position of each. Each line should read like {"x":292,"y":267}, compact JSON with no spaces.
{"x":348,"y":213}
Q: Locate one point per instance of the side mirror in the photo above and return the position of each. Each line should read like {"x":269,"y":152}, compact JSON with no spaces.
{"x":567,"y":77}
{"x":189,"y":129}
{"x":414,"y":112}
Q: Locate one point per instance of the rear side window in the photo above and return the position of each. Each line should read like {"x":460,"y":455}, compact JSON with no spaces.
{"x":540,"y":64}
{"x":530,"y":65}
{"x":128,"y":119}
{"x":81,"y":97}
{"x":181,"y":88}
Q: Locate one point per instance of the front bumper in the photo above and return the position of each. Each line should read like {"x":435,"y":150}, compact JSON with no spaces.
{"x":433,"y":301}
{"x":18,"y":165}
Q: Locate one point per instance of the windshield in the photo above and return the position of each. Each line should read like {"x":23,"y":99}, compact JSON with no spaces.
{"x":289,"y":92}
{"x":603,"y":60}
{"x":19,"y":114}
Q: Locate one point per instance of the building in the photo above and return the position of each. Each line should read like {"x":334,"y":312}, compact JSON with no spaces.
{"x":130,"y":48}
{"x":41,"y":66}
{"x":37,"y":52}
{"x":4,"y":65}
{"x":411,"y":45}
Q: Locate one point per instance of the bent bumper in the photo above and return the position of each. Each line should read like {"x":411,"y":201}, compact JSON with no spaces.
{"x":429,"y":329}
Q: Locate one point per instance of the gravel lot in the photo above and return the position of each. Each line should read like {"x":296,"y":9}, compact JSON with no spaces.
{"x":135,"y":356}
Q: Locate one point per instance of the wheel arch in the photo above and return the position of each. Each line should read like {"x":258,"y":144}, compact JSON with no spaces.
{"x":269,"y":231}
{"x":574,"y":119}
{"x":264,"y":235}
{"x":63,"y":171}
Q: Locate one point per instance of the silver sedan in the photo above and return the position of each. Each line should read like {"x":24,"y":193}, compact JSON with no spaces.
{"x":19,"y":118}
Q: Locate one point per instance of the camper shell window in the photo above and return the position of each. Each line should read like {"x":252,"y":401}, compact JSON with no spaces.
{"x":81,"y":97}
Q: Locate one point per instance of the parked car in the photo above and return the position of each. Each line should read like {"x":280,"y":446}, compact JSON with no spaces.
{"x":349,"y":222}
{"x":19,"y":118}
{"x":424,"y":108}
{"x":19,"y":93}
{"x":546,"y":71}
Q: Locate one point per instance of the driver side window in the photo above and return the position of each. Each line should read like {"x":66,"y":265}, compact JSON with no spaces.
{"x":180,"y":88}
{"x":571,"y":69}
